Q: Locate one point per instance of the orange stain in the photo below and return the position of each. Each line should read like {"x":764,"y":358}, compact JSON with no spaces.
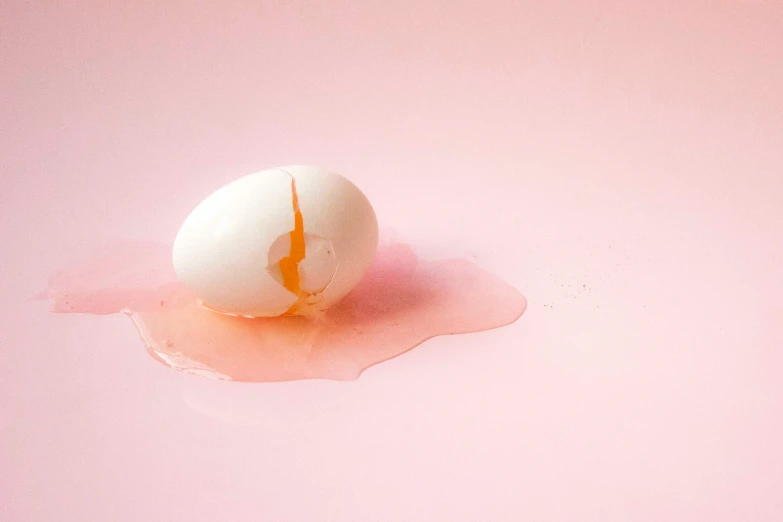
{"x":289,"y":265}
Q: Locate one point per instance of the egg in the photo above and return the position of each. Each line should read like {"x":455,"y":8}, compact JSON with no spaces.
{"x":284,"y":241}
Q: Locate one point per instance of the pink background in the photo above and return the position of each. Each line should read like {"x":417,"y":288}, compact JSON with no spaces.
{"x":618,"y":162}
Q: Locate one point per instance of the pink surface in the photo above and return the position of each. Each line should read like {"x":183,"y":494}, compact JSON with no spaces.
{"x":401,"y":302}
{"x":618,"y":162}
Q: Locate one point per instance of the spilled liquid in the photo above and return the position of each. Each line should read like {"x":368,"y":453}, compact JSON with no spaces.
{"x":401,"y":302}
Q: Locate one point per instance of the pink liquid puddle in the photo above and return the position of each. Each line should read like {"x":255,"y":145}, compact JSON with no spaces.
{"x":401,"y":302}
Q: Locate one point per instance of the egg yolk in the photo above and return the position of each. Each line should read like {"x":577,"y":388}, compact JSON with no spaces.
{"x":289,"y":265}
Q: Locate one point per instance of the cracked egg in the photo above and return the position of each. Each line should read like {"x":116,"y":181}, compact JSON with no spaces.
{"x":285,"y":241}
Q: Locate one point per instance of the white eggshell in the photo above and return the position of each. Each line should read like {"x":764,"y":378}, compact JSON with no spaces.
{"x":228,"y":248}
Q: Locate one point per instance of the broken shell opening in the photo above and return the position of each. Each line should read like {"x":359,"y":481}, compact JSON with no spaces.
{"x":316,"y":270}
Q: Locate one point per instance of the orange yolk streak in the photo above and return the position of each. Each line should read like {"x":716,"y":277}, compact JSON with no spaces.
{"x":289,"y":265}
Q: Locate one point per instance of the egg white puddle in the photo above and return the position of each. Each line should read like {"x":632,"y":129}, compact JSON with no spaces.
{"x":401,"y":302}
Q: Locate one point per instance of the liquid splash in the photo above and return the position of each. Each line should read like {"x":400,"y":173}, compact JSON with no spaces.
{"x":401,"y":302}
